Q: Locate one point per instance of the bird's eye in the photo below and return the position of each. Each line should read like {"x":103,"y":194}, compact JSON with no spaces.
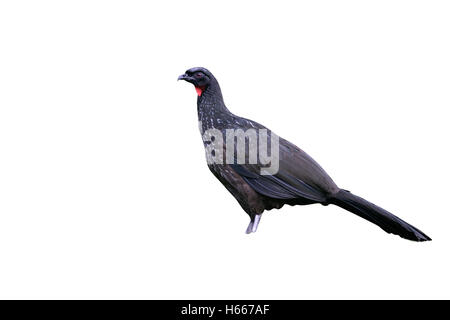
{"x":198,"y":75}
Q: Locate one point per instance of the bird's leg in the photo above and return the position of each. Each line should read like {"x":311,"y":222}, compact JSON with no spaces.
{"x":253,"y":225}
{"x":256,"y":223}
{"x":250,"y":227}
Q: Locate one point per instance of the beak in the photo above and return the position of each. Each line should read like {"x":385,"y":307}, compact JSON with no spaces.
{"x":185,"y":77}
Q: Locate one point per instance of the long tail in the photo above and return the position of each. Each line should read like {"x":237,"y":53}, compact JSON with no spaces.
{"x":382,"y":218}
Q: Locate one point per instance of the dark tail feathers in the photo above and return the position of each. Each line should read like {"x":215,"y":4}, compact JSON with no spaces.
{"x":385,"y":220}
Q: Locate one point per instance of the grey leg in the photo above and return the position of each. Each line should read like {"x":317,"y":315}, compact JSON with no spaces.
{"x":253,"y":225}
{"x":249,"y":228}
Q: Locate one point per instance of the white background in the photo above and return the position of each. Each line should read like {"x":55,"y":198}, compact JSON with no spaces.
{"x":104,"y":190}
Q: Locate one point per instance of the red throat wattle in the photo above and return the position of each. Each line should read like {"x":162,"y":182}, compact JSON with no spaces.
{"x":199,"y":90}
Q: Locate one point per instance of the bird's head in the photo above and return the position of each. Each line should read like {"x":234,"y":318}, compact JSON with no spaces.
{"x":200,"y":77}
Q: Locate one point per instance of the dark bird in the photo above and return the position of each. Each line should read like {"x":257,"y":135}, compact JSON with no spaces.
{"x":291,"y":177}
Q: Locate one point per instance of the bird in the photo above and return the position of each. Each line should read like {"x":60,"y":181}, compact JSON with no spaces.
{"x":291,"y":178}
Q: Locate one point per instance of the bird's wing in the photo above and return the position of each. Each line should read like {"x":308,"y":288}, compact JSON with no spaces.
{"x":274,"y":187}
{"x":298,"y":176}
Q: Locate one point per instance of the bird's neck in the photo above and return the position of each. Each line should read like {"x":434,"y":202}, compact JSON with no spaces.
{"x":210,"y":106}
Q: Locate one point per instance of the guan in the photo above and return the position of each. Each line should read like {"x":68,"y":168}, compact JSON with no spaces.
{"x":292,"y":177}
